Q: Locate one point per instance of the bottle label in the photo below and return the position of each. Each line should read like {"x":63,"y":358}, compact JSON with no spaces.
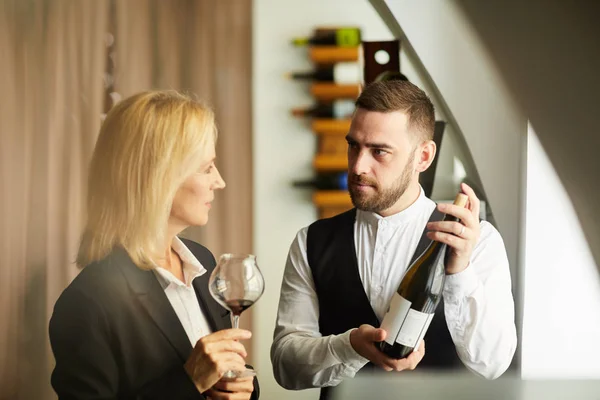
{"x":347,"y":73}
{"x":414,"y":328}
{"x":343,"y":108}
{"x":403,"y":324}
{"x":393,"y":320}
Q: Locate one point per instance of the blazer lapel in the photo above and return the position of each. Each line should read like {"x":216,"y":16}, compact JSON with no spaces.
{"x":217,"y":316}
{"x":153,"y":298}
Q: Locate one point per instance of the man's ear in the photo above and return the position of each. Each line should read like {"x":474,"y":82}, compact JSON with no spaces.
{"x":425,"y":154}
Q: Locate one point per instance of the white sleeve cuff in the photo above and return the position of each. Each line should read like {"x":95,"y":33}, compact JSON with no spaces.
{"x":345,"y":353}
{"x":460,"y":285}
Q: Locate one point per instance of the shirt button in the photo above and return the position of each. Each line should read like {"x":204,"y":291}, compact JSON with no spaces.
{"x":378,"y":289}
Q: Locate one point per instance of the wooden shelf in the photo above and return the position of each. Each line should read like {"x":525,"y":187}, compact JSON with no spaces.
{"x":334,"y":145}
{"x":331,"y":202}
{"x":331,"y":126}
{"x":332,"y":54}
{"x":325,"y":91}
{"x":329,"y":163}
{"x":332,"y":198}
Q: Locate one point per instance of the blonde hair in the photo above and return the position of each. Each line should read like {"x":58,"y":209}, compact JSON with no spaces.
{"x":148,"y":145}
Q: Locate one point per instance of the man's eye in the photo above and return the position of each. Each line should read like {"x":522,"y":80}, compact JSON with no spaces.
{"x":208,"y":170}
{"x":379,"y":152}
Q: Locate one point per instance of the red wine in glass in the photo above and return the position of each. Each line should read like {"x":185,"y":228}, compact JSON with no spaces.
{"x":236,"y":283}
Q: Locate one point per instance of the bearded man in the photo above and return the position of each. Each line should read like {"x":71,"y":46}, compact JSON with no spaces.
{"x":342,"y":272}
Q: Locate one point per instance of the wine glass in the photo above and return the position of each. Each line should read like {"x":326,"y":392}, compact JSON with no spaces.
{"x":236,"y":283}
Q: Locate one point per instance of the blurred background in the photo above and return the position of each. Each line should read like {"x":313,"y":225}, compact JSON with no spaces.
{"x":515,"y":85}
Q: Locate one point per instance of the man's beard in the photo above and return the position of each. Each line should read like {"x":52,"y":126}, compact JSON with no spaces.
{"x":382,"y":198}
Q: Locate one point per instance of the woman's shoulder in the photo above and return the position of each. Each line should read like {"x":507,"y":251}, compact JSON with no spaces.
{"x":98,"y":279}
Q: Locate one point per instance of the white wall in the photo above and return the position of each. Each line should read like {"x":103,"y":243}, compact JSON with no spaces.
{"x":284,"y":147}
{"x":493,"y":128}
{"x":561,"y":315}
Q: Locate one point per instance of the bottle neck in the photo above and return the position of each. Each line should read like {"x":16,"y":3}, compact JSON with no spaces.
{"x":301,"y":41}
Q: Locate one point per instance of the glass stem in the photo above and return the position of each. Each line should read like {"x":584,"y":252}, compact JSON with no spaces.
{"x":235,"y":321}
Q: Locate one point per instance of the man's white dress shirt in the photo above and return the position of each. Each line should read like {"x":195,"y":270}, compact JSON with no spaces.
{"x":479,"y":307}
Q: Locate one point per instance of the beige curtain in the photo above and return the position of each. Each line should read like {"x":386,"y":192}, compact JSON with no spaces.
{"x":52,"y":61}
{"x":53,"y":58}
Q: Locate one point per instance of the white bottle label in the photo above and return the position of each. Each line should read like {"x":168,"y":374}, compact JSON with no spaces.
{"x":414,"y":328}
{"x":403,"y":324}
{"x":393,"y":320}
{"x":343,"y":108}
{"x":346,"y":73}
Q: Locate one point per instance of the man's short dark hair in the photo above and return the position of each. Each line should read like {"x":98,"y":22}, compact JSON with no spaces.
{"x":399,"y":95}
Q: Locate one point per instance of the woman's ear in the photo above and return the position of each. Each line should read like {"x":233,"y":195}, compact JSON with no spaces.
{"x":425,"y":155}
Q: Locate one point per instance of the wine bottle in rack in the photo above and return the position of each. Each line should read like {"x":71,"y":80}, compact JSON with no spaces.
{"x":341,"y":73}
{"x":413,"y":305}
{"x":343,"y":37}
{"x":337,"y":109}
{"x":338,"y":181}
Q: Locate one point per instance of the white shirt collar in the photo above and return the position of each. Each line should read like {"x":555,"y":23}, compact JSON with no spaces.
{"x":192,"y":268}
{"x":400,"y":218}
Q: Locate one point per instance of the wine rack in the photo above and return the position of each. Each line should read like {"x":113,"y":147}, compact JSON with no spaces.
{"x":324,"y":92}
{"x":325,"y":55}
{"x":338,"y":127}
{"x":331,"y":202}
{"x":331,"y":151}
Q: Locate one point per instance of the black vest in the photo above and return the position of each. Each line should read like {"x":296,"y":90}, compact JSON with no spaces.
{"x":343,"y":303}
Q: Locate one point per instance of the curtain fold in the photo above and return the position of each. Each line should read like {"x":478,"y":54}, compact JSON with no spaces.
{"x":52,"y":63}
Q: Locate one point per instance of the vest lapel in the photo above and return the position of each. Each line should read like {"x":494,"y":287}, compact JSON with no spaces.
{"x":350,"y":244}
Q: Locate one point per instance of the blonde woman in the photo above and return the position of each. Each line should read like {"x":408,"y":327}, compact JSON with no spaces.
{"x":138,"y":322}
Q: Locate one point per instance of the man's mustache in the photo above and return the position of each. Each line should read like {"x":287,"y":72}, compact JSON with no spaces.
{"x":362,"y":180}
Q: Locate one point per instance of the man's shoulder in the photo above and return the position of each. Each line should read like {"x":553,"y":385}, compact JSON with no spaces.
{"x":489,"y":234}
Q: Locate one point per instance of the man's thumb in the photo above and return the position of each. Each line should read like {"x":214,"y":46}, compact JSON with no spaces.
{"x":377,"y":334}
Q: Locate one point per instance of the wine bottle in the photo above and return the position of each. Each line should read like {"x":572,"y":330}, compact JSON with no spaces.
{"x":338,"y":109}
{"x":343,"y":72}
{"x":337,"y":181}
{"x":413,"y":305}
{"x":343,"y":37}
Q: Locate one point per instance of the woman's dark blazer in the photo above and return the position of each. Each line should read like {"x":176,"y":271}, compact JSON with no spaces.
{"x":115,"y":335}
